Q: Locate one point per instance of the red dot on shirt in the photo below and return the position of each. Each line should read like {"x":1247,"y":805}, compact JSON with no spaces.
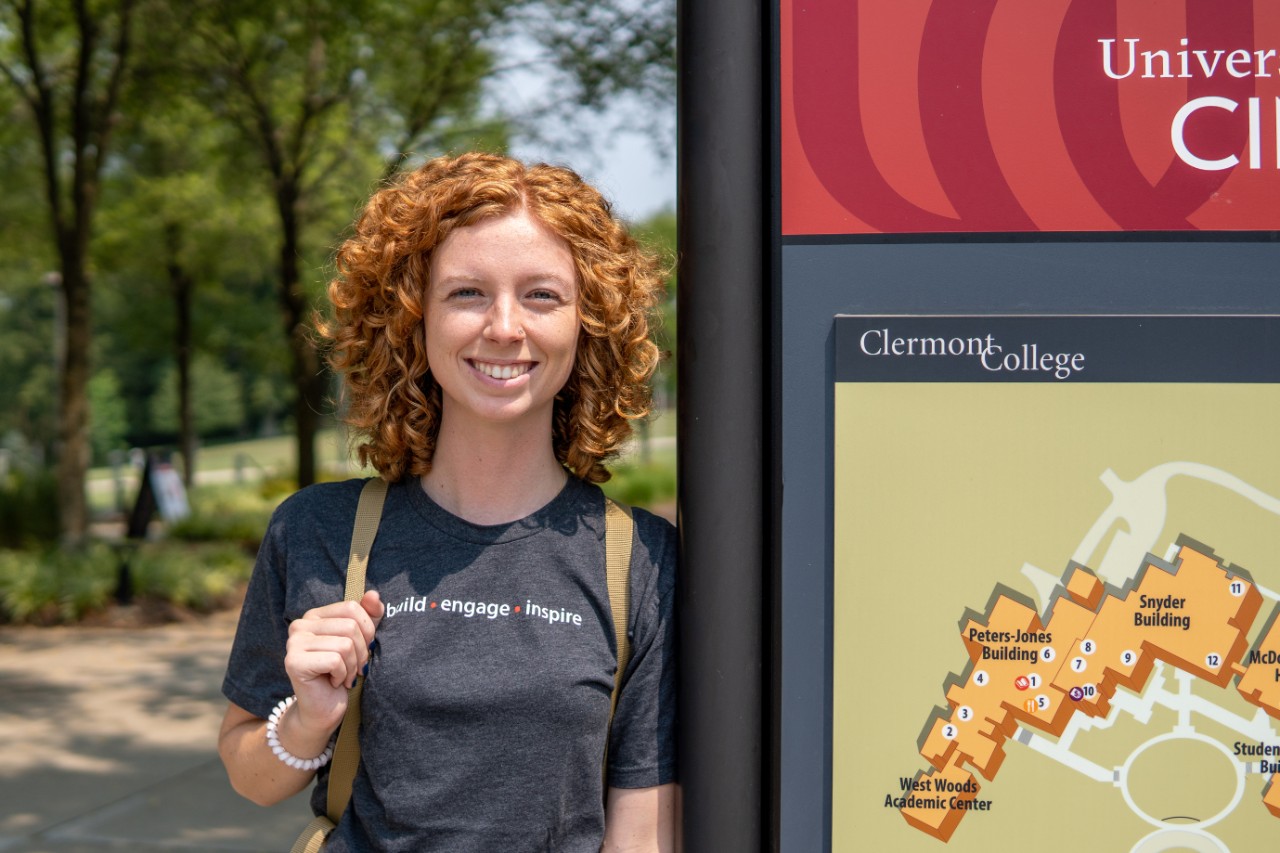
{"x":433,"y":605}
{"x":517,"y":608}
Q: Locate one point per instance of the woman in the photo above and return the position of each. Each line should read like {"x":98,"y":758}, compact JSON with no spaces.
{"x":491,"y":326}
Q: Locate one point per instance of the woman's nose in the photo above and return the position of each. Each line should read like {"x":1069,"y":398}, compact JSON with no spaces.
{"x":505,"y":321}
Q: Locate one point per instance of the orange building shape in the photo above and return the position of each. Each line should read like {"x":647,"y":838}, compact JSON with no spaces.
{"x":1193,"y":614}
{"x":1259,"y":683}
{"x":1271,"y":795}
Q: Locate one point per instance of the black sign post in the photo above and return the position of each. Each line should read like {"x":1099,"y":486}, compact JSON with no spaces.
{"x":724,"y":519}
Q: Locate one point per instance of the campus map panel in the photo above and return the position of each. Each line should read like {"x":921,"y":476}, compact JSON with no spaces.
{"x":1056,"y":584}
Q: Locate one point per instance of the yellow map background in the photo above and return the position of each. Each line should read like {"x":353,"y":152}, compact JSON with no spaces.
{"x":943,"y":491}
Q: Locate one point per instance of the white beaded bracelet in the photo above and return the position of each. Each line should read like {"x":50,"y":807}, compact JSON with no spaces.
{"x":273,"y":740}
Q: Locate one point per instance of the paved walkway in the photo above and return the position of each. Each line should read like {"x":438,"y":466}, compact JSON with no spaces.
{"x":107,"y":742}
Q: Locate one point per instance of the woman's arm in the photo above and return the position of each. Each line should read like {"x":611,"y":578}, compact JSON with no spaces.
{"x":327,"y":648}
{"x":255,"y":772}
{"x":640,"y":820}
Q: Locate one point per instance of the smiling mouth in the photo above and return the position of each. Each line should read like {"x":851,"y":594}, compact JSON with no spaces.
{"x":502,"y":371}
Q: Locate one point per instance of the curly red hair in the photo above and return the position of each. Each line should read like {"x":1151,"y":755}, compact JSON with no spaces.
{"x":378,"y":333}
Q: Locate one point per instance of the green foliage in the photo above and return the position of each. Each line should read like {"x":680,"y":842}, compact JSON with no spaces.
{"x":199,"y":566}
{"x":216,"y":392}
{"x":108,"y":422}
{"x":229,"y":514}
{"x":28,"y":508}
{"x":27,"y":297}
{"x":643,"y":484}
{"x":28,"y":392}
{"x":233,"y":120}
{"x":58,"y":586}
{"x":658,"y":232}
{"x":55,"y":585}
{"x":278,"y":486}
{"x":199,"y":577}
{"x":607,"y":48}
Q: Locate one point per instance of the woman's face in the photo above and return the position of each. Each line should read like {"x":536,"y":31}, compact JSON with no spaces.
{"x":502,"y":319}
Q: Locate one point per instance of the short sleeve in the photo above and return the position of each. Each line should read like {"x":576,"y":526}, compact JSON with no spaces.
{"x":642,"y":744}
{"x":256,"y":679}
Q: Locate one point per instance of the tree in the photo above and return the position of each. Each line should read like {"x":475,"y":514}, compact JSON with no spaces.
{"x":178,"y":230}
{"x":219,"y":406}
{"x":606,"y":49}
{"x":69,"y":65}
{"x":659,"y":233}
{"x":325,"y":96}
{"x":27,"y":302}
{"x":309,"y":85}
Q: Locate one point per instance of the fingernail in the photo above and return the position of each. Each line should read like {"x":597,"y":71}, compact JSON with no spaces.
{"x":365,"y":671}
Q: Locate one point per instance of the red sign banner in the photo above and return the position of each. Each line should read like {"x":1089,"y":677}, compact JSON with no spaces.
{"x":980,"y":116}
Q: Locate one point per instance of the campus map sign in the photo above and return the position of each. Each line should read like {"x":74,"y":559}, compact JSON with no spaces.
{"x":1057,"y":539}
{"x":1028,"y":388}
{"x":1030,"y":115}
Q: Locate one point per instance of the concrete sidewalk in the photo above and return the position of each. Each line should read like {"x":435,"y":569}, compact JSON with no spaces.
{"x":107,"y":742}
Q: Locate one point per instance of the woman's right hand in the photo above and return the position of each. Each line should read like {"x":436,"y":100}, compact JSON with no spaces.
{"x":327,"y":648}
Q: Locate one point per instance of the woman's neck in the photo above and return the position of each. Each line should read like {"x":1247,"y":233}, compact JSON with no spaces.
{"x":493,"y":473}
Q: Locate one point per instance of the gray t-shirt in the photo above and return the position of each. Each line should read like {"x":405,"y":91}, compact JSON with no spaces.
{"x":487,"y":700}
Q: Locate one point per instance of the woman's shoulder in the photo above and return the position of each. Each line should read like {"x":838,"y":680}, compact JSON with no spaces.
{"x":653,"y":528}
{"x":649,"y":526}
{"x":653,"y":551}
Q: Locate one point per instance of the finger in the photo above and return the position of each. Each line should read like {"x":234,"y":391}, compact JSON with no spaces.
{"x":343,"y":634}
{"x":340,"y":610}
{"x":348,"y":629}
{"x":336,"y":657}
{"x":317,"y":666}
{"x":372,"y":604}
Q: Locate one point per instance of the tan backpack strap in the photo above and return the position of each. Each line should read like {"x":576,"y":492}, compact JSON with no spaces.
{"x":368,"y":514}
{"x":346,"y":752}
{"x":312,"y":838}
{"x":618,"y":530}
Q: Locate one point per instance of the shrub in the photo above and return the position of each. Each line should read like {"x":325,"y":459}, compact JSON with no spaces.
{"x":236,"y":514}
{"x":642,"y":484}
{"x":200,"y":577}
{"x":56,"y":585}
{"x":28,"y":509}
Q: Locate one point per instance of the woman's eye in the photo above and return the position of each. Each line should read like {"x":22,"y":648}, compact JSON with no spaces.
{"x":542,"y":295}
{"x":464,"y":293}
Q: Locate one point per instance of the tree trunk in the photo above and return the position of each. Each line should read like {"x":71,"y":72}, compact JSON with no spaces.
{"x":182,"y":285}
{"x":73,"y":398}
{"x":308,"y":378}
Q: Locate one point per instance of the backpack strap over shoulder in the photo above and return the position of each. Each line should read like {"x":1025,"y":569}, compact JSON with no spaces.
{"x":346,"y":751}
{"x":619,"y":528}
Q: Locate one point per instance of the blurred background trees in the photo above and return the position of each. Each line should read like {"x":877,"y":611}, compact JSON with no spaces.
{"x":177,"y":175}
